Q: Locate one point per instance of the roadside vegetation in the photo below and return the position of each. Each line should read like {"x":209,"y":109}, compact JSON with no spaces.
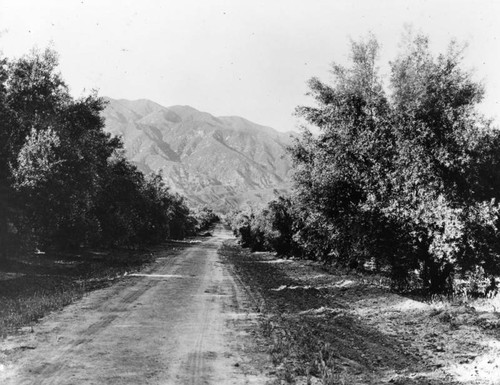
{"x":34,"y":285}
{"x":64,"y":181}
{"x":66,"y":188}
{"x":403,"y":177}
{"x":325,"y":325}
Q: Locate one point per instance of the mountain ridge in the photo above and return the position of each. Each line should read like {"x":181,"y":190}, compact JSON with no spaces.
{"x":221,"y":162}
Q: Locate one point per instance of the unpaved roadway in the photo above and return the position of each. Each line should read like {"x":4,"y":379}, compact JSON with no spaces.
{"x":184,"y":320}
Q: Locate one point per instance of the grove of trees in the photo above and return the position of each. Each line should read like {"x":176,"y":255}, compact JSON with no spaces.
{"x":405,"y":174}
{"x":64,"y":181}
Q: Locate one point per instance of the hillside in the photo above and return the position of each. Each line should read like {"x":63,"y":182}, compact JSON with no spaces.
{"x":222,"y":162}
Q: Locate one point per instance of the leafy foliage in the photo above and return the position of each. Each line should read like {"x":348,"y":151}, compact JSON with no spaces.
{"x":407,"y":178}
{"x":63,"y":180}
{"x":205,"y":217}
{"x":248,"y":227}
{"x":270,"y":228}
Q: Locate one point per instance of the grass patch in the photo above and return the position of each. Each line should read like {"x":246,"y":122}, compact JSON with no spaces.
{"x":33,"y":285}
{"x":326,"y":326}
{"x":312,"y":336}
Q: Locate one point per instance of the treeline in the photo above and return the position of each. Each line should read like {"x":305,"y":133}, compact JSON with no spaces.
{"x":404,"y":176}
{"x":64,"y":181}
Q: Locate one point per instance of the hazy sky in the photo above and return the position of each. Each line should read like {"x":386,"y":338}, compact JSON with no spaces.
{"x":248,"y":58}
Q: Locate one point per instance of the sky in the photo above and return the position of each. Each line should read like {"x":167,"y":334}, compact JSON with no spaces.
{"x":238,"y":57}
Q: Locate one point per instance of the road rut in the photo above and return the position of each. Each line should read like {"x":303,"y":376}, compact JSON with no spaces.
{"x":185,"y":320}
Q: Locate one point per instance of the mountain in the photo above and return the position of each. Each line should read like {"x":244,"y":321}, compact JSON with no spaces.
{"x":220,"y":162}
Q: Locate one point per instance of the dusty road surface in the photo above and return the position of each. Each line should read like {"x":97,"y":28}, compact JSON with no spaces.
{"x":184,"y":320}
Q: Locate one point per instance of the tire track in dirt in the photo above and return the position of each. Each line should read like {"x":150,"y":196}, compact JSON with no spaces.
{"x":196,"y":366}
{"x":179,"y":322}
{"x":49,"y":372}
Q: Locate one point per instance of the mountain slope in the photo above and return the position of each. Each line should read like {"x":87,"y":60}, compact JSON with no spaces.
{"x":221,"y":162}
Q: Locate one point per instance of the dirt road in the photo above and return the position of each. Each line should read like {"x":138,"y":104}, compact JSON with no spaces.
{"x":185,"y":320}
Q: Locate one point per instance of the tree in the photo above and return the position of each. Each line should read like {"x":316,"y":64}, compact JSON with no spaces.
{"x":408,"y":178}
{"x":446,"y":170}
{"x":64,"y":182}
{"x":8,"y":202}
{"x":340,"y":172}
{"x":205,"y":217}
{"x":280,"y":226}
{"x":66,"y":135}
{"x":118,"y":206}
